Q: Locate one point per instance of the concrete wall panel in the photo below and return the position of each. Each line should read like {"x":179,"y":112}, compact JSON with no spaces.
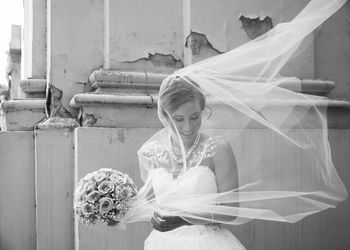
{"x":326,"y":230}
{"x":332,"y":52}
{"x":17,"y":191}
{"x":54,"y":189}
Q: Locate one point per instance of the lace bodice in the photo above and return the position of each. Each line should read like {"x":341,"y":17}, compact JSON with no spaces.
{"x":199,"y":176}
{"x":160,"y":156}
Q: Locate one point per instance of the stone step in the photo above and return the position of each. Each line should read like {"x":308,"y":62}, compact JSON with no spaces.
{"x":33,"y":88}
{"x":22,"y":115}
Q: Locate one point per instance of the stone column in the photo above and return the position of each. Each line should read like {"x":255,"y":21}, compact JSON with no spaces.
{"x":34,"y":40}
{"x":13,"y":69}
{"x":29,"y":110}
{"x":74,"y":49}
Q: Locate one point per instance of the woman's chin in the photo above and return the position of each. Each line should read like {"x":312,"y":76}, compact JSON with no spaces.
{"x":188,"y":139}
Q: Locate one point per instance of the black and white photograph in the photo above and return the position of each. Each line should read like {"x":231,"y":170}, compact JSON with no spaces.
{"x":174,"y":125}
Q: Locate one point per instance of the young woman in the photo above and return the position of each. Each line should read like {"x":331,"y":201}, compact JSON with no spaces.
{"x":211,"y":168}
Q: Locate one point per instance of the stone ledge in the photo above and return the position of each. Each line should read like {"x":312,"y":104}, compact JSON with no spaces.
{"x":317,"y":87}
{"x":33,"y":88}
{"x":105,"y":81}
{"x":56,"y":122}
{"x":33,"y":85}
{"x":107,"y":110}
{"x":22,"y":115}
{"x":18,"y":105}
{"x":91,"y":99}
{"x":103,"y":75}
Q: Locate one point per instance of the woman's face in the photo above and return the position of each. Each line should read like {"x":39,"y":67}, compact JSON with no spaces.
{"x":188,"y":119}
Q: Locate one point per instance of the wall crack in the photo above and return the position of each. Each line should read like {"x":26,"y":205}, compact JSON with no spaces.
{"x":160,"y":60}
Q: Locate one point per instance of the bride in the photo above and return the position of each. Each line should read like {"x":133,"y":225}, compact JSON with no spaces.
{"x":211,"y":168}
{"x":206,"y":169}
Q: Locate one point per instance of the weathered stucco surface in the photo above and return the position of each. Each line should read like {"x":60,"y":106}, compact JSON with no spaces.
{"x":138,"y":28}
{"x":76,"y":44}
{"x":332,"y":52}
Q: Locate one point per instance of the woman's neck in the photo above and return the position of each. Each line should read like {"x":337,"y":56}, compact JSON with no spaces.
{"x":176,"y":145}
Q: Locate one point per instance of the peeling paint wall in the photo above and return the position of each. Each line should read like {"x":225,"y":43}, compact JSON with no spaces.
{"x":54,"y":103}
{"x":255,"y":27}
{"x":139,"y":28}
{"x":220,"y":22}
{"x":154,"y":63}
{"x":200,"y":47}
{"x":155,"y":36}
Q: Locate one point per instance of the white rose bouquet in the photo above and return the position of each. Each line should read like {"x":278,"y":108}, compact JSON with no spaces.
{"x":105,"y":195}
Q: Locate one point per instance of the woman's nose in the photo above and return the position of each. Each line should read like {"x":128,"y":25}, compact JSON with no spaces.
{"x":187,"y":126}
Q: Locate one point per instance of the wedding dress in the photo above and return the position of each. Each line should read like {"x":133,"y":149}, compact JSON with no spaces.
{"x":199,"y":179}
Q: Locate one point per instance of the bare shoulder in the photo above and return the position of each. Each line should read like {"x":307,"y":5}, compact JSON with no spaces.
{"x":222,"y":143}
{"x":221,"y":147}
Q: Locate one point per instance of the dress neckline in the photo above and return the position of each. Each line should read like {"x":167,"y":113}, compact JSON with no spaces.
{"x":187,"y":172}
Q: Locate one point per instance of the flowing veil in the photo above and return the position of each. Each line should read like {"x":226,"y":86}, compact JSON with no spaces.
{"x":291,"y":174}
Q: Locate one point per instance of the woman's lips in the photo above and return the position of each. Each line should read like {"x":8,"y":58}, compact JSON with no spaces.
{"x":186,"y":134}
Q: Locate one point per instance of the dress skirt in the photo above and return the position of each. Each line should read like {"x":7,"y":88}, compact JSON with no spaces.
{"x":194,"y":237}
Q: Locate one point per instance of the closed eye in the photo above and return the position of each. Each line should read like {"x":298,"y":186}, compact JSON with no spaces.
{"x":195,"y":117}
{"x":178,"y":119}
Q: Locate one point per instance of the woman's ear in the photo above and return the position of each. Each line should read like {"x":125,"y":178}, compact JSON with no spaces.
{"x":206,"y":113}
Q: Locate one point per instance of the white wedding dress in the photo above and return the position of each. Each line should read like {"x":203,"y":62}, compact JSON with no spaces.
{"x":197,"y":179}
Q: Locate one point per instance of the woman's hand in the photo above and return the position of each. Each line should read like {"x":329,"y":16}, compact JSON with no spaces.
{"x":112,"y":223}
{"x":167,"y":223}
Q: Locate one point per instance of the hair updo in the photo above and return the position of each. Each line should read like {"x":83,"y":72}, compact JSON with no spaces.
{"x":178,"y":93}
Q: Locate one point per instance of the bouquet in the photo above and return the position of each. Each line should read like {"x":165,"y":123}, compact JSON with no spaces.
{"x":105,"y":195}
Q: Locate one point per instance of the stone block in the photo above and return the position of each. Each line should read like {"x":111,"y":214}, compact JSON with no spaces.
{"x":17,"y":190}
{"x":54,"y":168}
{"x":22,"y":115}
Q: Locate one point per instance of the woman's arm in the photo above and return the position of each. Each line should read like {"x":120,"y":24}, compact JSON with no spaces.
{"x":226,"y":173}
{"x":225,"y":166}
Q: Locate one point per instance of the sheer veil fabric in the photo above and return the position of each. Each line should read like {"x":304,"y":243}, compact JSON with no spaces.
{"x":285,"y":169}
